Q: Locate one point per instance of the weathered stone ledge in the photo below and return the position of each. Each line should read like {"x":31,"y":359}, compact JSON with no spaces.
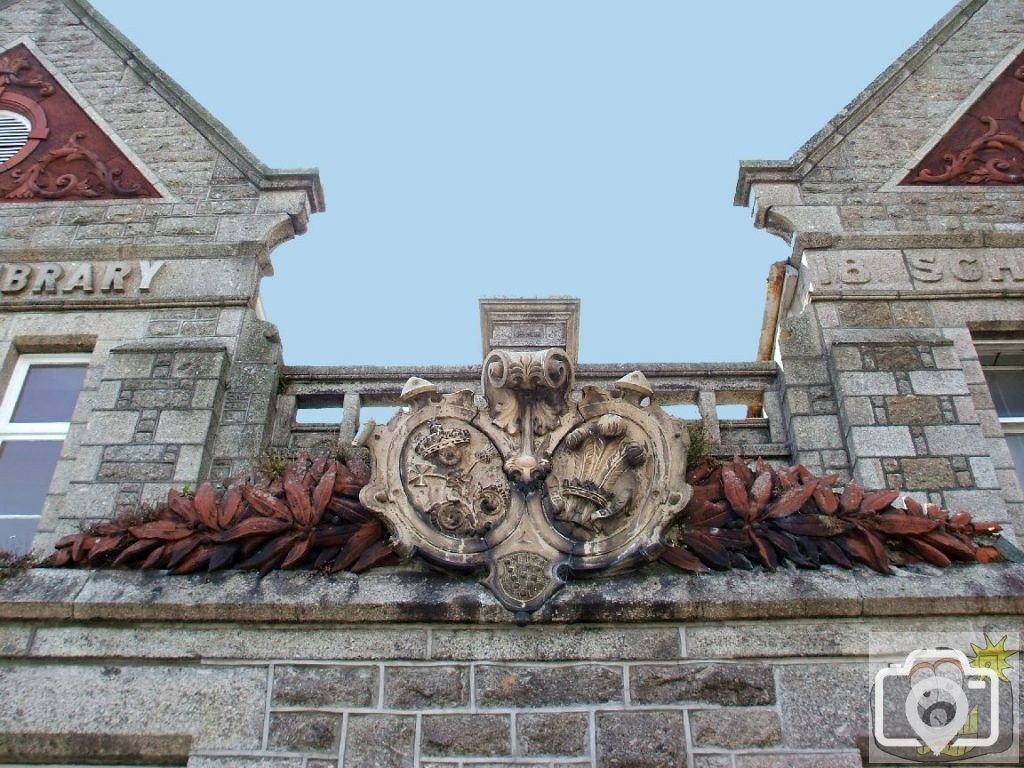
{"x":416,"y":594}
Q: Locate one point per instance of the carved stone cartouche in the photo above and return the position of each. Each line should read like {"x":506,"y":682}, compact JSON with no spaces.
{"x":534,"y":485}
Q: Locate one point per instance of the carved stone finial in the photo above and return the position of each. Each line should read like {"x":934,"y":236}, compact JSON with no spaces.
{"x":416,"y":388}
{"x":535,"y":485}
{"x":636,"y":384}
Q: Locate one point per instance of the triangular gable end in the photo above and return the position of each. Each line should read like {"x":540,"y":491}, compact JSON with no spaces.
{"x":50,"y":148}
{"x":985,"y":146}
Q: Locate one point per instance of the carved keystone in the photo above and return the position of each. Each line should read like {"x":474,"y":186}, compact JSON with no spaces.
{"x":536,"y":484}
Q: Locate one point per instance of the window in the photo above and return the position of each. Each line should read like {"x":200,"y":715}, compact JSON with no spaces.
{"x":14,"y":132}
{"x":35,"y":414}
{"x":1003,"y":365}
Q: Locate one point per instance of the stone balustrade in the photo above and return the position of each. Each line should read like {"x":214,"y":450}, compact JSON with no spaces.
{"x":704,"y":385}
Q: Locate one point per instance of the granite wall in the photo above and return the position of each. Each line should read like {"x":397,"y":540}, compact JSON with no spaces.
{"x":880,"y":381}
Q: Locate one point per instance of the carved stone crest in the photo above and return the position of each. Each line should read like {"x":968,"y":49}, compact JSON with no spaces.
{"x":534,"y":482}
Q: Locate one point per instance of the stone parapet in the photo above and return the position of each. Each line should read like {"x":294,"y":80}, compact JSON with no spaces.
{"x":414,"y":593}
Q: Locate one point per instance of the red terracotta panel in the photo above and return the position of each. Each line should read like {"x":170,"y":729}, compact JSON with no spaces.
{"x":68,"y":157}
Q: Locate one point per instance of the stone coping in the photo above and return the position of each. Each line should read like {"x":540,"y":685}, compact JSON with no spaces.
{"x":850,"y":116}
{"x":414,"y":593}
{"x":265,"y":178}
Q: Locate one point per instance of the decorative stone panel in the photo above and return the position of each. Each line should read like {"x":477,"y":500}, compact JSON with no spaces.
{"x":68,"y":156}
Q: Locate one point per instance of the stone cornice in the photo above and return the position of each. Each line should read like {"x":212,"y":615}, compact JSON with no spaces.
{"x":410,"y":593}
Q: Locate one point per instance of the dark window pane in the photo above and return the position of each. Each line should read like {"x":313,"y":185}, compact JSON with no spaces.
{"x":26,"y":467}
{"x":1011,"y":357}
{"x":16,"y":534}
{"x":1007,"y":389}
{"x":1016,"y":445}
{"x":49,"y":393}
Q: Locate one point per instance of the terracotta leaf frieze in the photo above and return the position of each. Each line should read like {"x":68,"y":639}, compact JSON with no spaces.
{"x":739,"y":515}
{"x":16,"y":61}
{"x":743,"y":513}
{"x":308,"y":517}
{"x":40,"y":181}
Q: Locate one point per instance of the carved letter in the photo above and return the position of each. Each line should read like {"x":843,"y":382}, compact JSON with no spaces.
{"x":149,"y":270}
{"x":113,"y":280}
{"x":1000,"y":264}
{"x":80,"y":279}
{"x":46,"y":278}
{"x":925,"y":269}
{"x":967,"y":270}
{"x":16,"y":278}
{"x":854,"y":272}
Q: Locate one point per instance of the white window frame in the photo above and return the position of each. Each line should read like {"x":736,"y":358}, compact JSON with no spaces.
{"x":40,"y":430}
{"x":1012,"y":425}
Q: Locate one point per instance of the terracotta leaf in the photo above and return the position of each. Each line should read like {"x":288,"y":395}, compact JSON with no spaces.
{"x":267,"y":504}
{"x":206,"y":505}
{"x":182,"y":507}
{"x":378,"y":553}
{"x":298,"y":500}
{"x":878,"y":500}
{"x":853,"y":495}
{"x":735,"y":490}
{"x":791,"y":501}
{"x":683,"y":560}
{"x":322,"y":495}
{"x":761,"y":492}
{"x":166,"y":530}
{"x":253,"y":527}
{"x":902,"y":525}
{"x":231,"y":508}
{"x":296,"y":554}
{"x":930,"y":553}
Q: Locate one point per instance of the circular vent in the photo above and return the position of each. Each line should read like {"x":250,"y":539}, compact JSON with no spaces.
{"x":14,"y":130}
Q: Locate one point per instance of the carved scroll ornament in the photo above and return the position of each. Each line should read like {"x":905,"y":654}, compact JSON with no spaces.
{"x":986,"y":145}
{"x":41,"y":181}
{"x":533,"y":484}
{"x":66,"y":155}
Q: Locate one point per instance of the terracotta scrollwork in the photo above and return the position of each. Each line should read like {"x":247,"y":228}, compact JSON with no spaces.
{"x":65,"y":155}
{"x":40,"y":180}
{"x":986,"y":145}
{"x":12,"y":64}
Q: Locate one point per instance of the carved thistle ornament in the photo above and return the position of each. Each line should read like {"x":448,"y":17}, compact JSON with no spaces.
{"x":532,"y":483}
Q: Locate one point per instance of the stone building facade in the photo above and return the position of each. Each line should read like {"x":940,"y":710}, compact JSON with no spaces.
{"x":897,"y":318}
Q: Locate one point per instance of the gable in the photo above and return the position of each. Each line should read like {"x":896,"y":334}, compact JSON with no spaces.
{"x":61,"y":154}
{"x":198,"y":184}
{"x":847,"y":178}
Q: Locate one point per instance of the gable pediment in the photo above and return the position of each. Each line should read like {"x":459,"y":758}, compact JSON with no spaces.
{"x":59,"y":150}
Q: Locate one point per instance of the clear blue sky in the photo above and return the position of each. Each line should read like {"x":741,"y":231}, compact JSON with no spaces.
{"x":473,"y":148}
